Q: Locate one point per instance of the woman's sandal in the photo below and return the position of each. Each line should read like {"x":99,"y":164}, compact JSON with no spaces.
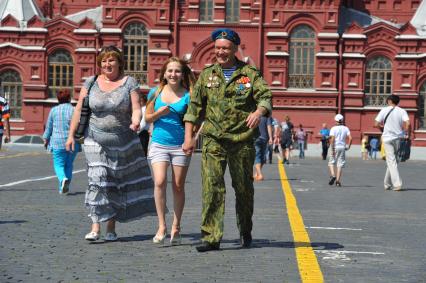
{"x":175,"y":238}
{"x":159,"y":239}
{"x":92,"y":236}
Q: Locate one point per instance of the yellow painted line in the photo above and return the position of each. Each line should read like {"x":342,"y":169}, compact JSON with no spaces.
{"x":21,"y":155}
{"x":307,"y":262}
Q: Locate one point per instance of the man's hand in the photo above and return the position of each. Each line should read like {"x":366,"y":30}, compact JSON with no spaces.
{"x":70,"y":144}
{"x":253,"y":119}
{"x":188,"y":146}
{"x":6,"y":139}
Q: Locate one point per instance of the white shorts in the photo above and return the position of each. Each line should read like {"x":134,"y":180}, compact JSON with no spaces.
{"x":166,"y":153}
{"x":339,"y":158}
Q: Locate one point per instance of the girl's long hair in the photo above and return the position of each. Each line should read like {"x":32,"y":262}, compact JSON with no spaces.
{"x":188,"y":80}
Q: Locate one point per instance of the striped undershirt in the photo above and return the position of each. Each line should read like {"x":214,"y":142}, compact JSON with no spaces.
{"x":227,"y":72}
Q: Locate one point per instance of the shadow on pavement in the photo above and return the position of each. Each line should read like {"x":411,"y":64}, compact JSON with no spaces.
{"x":12,"y":222}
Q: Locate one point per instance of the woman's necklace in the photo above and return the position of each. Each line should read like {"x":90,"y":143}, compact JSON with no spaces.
{"x":107,"y":80}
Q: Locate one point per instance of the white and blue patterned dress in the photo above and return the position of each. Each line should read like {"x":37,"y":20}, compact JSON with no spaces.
{"x":120,"y":183}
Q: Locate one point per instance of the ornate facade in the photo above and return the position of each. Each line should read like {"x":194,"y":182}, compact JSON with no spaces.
{"x":320,"y":57}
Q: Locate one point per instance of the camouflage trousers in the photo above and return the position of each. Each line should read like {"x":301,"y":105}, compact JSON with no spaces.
{"x":216,"y":155}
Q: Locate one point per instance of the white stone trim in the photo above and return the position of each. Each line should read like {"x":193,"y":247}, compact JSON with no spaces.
{"x":22,"y":47}
{"x":193,"y":6}
{"x":85,"y":31}
{"x":85,"y":49}
{"x":406,"y":85}
{"x":30,"y":85}
{"x":218,"y":21}
{"x":353,"y":92}
{"x":327,"y":54}
{"x":277,"y":53}
{"x":193,"y":20}
{"x":16,"y":29}
{"x":353,"y":55}
{"x":305,"y":107}
{"x":159,"y":32}
{"x":410,"y":56}
{"x":328,"y":35}
{"x":111,"y":30}
{"x":407,"y":36}
{"x":160,"y":51}
{"x":246,"y":21}
{"x":277,"y":34}
{"x":219,"y":7}
{"x":354,"y":36}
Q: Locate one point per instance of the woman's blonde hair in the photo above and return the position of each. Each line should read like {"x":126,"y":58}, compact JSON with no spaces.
{"x":111,"y":51}
{"x":188,"y":79}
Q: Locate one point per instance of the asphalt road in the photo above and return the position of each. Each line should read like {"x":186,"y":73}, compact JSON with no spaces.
{"x":358,"y":233}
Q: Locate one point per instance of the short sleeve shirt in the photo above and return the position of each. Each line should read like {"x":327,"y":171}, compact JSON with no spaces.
{"x":340,"y":133}
{"x":394,"y":124}
{"x":4,"y":112}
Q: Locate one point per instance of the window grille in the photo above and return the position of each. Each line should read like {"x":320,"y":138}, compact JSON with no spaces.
{"x":136,"y":52}
{"x":302,"y":58}
{"x":61,"y":72}
{"x":232,"y":11}
{"x":11,"y":89}
{"x":378,"y":81}
{"x":206,"y":11}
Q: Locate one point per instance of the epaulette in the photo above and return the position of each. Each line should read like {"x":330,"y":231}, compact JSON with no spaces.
{"x":208,"y":66}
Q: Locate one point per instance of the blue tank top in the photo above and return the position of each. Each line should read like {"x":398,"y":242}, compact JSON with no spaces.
{"x":169,"y":129}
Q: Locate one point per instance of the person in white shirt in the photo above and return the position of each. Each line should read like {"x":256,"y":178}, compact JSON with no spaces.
{"x":338,"y":136}
{"x":395,"y":124}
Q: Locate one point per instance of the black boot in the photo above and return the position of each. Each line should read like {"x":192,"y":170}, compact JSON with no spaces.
{"x":246,"y":241}
{"x":206,"y":246}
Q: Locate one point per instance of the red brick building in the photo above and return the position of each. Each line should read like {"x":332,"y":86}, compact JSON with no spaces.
{"x":320,"y":57}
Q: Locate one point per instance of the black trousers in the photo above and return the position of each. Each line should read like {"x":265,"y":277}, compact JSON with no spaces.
{"x":144,"y":138}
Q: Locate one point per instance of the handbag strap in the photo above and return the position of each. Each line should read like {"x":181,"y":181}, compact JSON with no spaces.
{"x":91,"y":84}
{"x":387,"y":115}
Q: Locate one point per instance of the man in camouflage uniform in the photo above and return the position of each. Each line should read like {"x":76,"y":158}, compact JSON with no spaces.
{"x":230,"y":96}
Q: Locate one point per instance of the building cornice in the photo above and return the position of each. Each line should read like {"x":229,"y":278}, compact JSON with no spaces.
{"x":327,"y":54}
{"x":159,"y":32}
{"x":22,"y":47}
{"x":353,"y":55}
{"x":159,"y":51}
{"x":85,"y":31}
{"x":111,"y":30}
{"x":328,"y":35}
{"x":85,"y":49}
{"x":411,"y":56}
{"x":276,"y":54}
{"x":278,"y":34}
{"x":16,"y":29}
{"x":354,"y":36}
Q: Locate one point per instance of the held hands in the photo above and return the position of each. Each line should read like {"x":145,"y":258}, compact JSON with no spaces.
{"x":253,"y":119}
{"x":134,"y":126}
{"x":188,"y":146}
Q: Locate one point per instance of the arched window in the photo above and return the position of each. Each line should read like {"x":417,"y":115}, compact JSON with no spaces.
{"x":232,"y":11}
{"x":422,"y":108}
{"x":378,"y":81}
{"x":61,"y":72}
{"x":11,"y":89}
{"x":136,"y":52}
{"x":302,"y":58}
{"x":206,"y":11}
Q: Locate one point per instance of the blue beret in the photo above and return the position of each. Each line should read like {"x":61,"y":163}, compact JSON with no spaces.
{"x":226,"y":33}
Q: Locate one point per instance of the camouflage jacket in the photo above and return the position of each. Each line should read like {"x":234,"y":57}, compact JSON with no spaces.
{"x":224,"y":106}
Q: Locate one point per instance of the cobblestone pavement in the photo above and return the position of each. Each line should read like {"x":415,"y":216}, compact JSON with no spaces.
{"x":42,"y":232}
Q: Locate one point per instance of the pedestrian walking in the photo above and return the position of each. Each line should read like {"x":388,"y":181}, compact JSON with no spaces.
{"x":167,"y":104}
{"x":261,"y":143}
{"x":340,"y":141}
{"x":393,"y":121}
{"x":301,"y":138}
{"x":374,"y":147}
{"x":232,"y":96}
{"x":120,"y":184}
{"x":4,"y":121}
{"x":287,"y":139}
{"x":364,"y":147}
{"x":325,"y":135}
{"x":277,"y":140}
{"x":54,"y":137}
